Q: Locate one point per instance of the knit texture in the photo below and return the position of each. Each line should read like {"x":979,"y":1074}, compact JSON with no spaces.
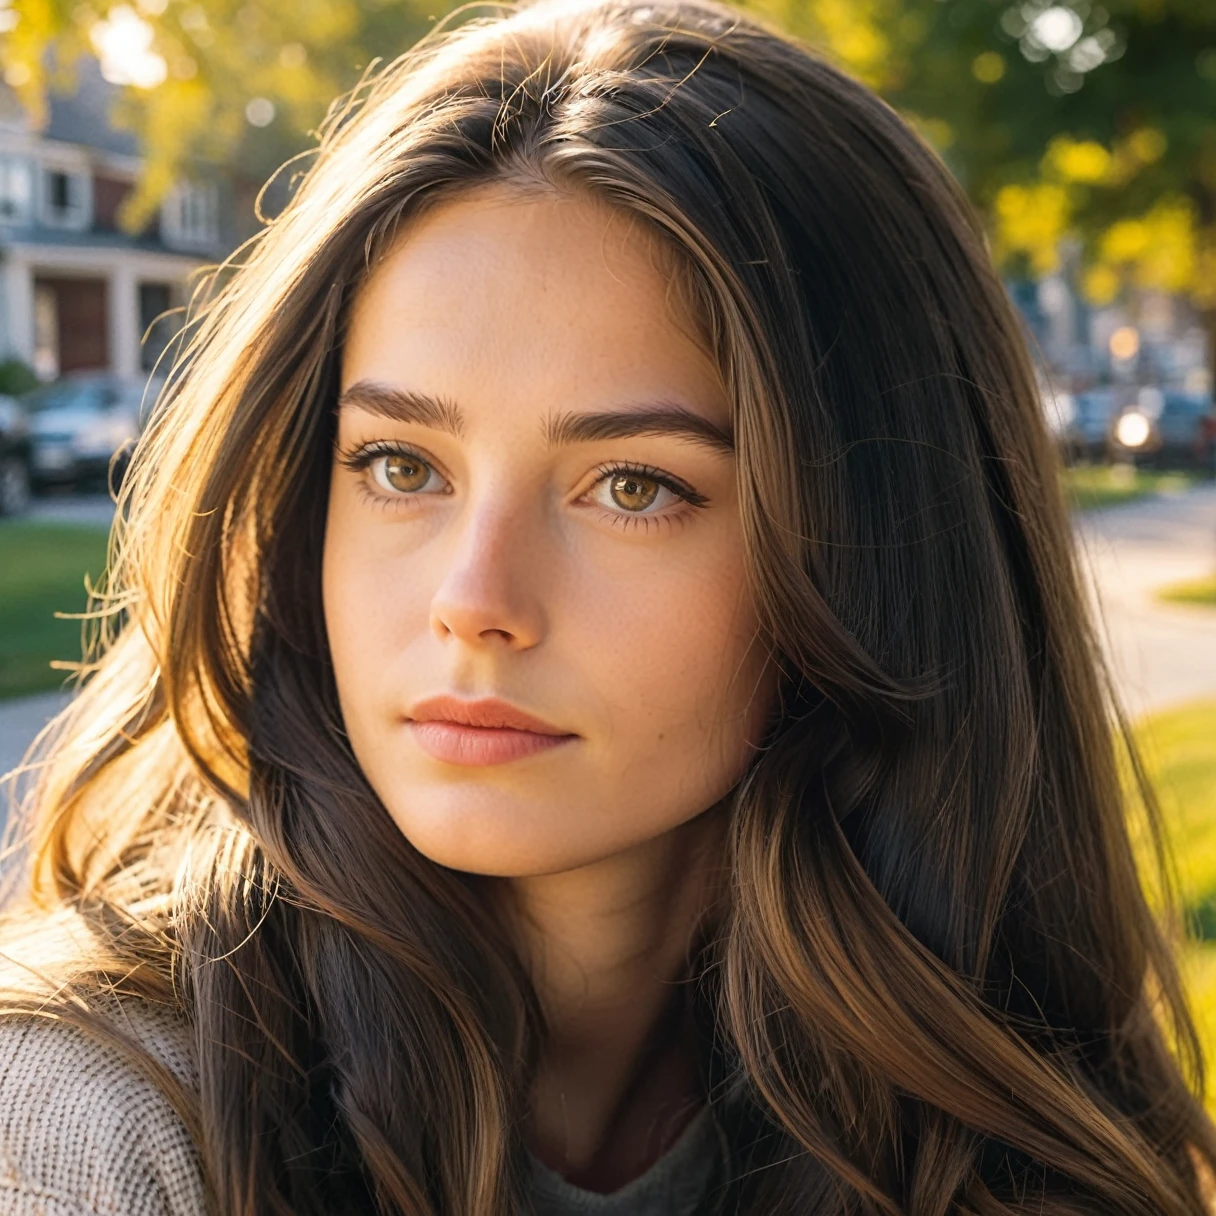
{"x":83,"y":1132}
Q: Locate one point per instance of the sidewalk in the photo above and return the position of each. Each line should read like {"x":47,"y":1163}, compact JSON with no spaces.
{"x":21,"y":720}
{"x":95,"y":510}
{"x":1160,"y":654}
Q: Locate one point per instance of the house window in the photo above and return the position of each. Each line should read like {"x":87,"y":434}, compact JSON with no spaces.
{"x":14,"y":191}
{"x":109,"y":194}
{"x":65,"y":199}
{"x":158,"y":324}
{"x":190,"y":216}
{"x":60,"y":191}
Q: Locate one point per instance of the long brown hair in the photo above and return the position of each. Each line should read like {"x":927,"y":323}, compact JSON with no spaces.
{"x":938,"y":987}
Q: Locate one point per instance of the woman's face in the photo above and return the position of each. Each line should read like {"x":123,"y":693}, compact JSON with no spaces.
{"x":533,"y":511}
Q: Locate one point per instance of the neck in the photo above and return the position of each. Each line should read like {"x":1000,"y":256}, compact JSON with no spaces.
{"x":607,"y":946}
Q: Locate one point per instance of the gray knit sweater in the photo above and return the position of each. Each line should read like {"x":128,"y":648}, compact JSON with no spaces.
{"x":84,"y":1133}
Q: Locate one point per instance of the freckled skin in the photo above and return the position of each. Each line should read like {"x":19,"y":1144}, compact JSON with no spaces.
{"x":525,"y":579}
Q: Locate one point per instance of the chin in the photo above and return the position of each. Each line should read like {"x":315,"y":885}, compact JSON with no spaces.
{"x":503,"y":841}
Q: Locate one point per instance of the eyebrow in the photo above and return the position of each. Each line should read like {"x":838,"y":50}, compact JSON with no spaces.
{"x":402,"y":405}
{"x":442,"y":414}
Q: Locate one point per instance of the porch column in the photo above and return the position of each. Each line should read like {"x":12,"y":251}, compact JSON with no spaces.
{"x":17,"y":340}
{"x":124,"y":321}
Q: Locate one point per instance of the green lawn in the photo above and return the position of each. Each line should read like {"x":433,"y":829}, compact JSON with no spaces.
{"x":1200,"y":591}
{"x":42,"y":570}
{"x":1091,"y":486}
{"x":1179,"y":748}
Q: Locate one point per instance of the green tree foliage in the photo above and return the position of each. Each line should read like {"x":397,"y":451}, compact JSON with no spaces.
{"x":1107,"y":131}
{"x":243,"y":82}
{"x":1097,"y":119}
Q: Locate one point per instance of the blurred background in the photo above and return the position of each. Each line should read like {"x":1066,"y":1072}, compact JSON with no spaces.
{"x":139,"y":142}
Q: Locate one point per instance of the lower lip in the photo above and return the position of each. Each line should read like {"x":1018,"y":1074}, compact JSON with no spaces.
{"x":480,"y":745}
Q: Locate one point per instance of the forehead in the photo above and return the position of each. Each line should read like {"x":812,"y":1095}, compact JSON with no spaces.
{"x":529,"y":301}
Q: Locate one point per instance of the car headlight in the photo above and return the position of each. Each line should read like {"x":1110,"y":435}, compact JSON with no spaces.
{"x":1132,"y":430}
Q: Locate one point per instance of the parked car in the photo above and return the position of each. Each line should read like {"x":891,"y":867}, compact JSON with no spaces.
{"x":1087,"y":433}
{"x":1168,"y":428}
{"x":15,"y":476}
{"x":83,"y":425}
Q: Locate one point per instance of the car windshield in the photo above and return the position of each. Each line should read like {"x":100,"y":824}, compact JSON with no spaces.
{"x":65,"y":394}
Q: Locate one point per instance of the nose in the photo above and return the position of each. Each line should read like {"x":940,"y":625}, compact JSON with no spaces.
{"x":488,"y":593}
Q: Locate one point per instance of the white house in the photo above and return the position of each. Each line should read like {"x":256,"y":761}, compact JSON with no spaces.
{"x":76,"y":292}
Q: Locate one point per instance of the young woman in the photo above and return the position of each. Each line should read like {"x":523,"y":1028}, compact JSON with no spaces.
{"x":597,"y":714}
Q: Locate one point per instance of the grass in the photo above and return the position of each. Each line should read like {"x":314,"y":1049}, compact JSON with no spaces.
{"x":1089,"y":487}
{"x":1199,"y":591}
{"x":1179,"y":749}
{"x":42,"y":571}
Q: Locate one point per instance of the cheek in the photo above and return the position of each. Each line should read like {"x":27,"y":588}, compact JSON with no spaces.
{"x":683,"y":678}
{"x":374,"y":610}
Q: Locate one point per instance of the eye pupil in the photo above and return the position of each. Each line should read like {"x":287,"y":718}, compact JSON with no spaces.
{"x":634,"y":493}
{"x":405,"y":472}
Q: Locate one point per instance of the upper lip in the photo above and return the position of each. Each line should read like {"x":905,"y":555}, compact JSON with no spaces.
{"x":487,"y":711}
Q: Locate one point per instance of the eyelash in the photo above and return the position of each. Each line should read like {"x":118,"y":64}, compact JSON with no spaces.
{"x":362,"y":458}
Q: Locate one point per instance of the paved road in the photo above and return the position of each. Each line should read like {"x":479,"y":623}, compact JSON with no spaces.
{"x":1160,"y":654}
{"x":21,"y":720}
{"x":94,"y":509}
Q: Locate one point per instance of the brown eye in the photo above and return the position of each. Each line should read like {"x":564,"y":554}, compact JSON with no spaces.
{"x":632,"y":492}
{"x":403,"y":473}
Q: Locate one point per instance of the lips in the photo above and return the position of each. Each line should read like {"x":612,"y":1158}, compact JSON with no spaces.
{"x":483,"y":732}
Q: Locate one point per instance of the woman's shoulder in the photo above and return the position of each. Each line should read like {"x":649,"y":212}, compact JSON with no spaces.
{"x":84,"y":1126}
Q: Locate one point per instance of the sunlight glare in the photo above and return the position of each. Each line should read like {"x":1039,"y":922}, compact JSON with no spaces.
{"x":123,"y":43}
